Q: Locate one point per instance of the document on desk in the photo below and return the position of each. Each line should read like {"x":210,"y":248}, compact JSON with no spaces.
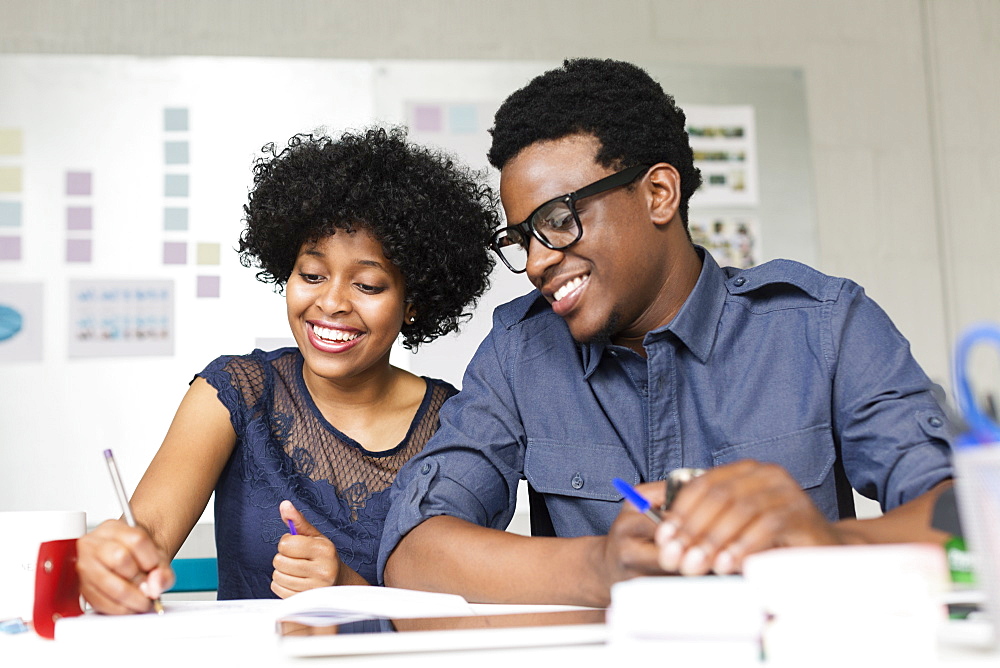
{"x":206,"y":619}
{"x":546,"y":626}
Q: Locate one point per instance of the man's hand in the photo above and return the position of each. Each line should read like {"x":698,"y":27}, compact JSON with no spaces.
{"x":307,"y":560}
{"x":733,"y":511}
{"x":121,"y":569}
{"x":628,"y":549}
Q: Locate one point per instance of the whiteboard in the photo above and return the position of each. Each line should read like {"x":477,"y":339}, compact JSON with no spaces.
{"x":99,"y":155}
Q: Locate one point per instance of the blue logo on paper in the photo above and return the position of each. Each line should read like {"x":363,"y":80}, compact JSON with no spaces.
{"x":10,"y":322}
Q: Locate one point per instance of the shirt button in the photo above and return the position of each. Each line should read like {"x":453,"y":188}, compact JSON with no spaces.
{"x":426,"y":468}
{"x":935,"y":421}
{"x":740,"y":282}
{"x":577,"y":481}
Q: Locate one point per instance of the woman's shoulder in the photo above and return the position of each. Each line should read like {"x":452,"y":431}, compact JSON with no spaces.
{"x":253,"y":365}
{"x":438,"y":386}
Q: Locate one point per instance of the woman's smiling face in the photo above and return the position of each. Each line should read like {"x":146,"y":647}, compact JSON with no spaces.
{"x":346,"y":304}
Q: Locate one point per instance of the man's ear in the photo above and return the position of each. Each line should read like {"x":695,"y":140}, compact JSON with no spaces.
{"x":664,"y":192}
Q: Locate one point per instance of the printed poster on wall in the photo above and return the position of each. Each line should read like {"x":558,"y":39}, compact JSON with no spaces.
{"x":724,"y":141}
{"x":121,"y":318}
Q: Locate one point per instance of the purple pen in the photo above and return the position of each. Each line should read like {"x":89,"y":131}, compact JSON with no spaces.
{"x":116,"y":479}
{"x":291,"y":528}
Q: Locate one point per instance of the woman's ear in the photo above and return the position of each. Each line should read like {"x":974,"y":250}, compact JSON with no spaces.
{"x":409,"y":313}
{"x":664,"y":187}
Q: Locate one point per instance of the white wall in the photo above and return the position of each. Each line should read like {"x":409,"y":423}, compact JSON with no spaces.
{"x":902,"y":100}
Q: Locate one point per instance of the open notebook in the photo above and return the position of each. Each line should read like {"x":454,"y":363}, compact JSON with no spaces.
{"x":206,"y":619}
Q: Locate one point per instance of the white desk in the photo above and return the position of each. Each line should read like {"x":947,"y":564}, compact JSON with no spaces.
{"x":961,"y":645}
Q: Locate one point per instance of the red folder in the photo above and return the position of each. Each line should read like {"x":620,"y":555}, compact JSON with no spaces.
{"x":57,"y":586}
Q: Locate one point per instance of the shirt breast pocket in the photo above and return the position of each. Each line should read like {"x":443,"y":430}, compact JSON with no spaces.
{"x":807,"y":454}
{"x":582,"y":470}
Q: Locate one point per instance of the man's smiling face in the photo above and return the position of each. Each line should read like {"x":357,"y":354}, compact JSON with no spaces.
{"x":606,"y":283}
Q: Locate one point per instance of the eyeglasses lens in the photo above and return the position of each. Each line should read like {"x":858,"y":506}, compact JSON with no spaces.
{"x":513,"y":248}
{"x":556,"y":223}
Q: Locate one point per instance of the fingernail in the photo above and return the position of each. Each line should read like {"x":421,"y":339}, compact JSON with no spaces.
{"x":694,"y":562}
{"x":670,"y":555}
{"x":665,"y":532}
{"x":724,"y":563}
{"x":144,"y":588}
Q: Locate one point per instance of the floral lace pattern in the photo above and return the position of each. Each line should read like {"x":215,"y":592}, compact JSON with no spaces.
{"x":287,"y":450}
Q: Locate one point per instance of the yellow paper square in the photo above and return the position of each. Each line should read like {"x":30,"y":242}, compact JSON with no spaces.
{"x":208,"y":254}
{"x":10,"y":179}
{"x":11,"y":141}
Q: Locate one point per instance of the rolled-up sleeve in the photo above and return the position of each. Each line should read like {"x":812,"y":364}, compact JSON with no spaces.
{"x":894,"y":436}
{"x":471,"y":466}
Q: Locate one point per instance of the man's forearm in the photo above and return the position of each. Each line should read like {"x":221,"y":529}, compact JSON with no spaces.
{"x":909,"y":523}
{"x":446,"y":554}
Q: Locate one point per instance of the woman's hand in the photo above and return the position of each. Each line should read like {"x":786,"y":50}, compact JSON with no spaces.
{"x":307,"y":560}
{"x":121,"y":569}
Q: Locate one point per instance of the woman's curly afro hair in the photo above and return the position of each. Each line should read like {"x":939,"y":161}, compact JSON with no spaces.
{"x":432,"y":216}
{"x":636,"y":122}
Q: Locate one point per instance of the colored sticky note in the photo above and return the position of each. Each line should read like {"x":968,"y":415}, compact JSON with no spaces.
{"x":175,"y":185}
{"x":207,"y":254}
{"x":175,"y":218}
{"x":79,"y":250}
{"x":174,"y":252}
{"x":427,"y":118}
{"x":175,"y":152}
{"x":10,"y":179}
{"x":78,"y":183}
{"x":462,"y":118}
{"x":208,"y":286}
{"x":79,"y":218}
{"x":175,"y":119}
{"x":10,"y":248}
{"x":11,"y":141}
{"x":10,"y":214}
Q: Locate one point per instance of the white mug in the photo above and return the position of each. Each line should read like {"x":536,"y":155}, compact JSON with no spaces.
{"x":23,"y":532}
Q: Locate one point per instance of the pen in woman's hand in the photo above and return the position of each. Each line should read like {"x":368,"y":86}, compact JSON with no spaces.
{"x":116,"y":479}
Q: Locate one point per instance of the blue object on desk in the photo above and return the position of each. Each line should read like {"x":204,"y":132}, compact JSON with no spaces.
{"x":195,"y":575}
{"x":12,"y":626}
{"x":979,"y":427}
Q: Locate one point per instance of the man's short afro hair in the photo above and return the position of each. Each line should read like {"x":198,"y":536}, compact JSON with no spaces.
{"x":433,"y":217}
{"x":635,"y":121}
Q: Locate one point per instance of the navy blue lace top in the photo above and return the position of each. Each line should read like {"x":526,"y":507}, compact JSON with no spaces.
{"x":285,"y":449}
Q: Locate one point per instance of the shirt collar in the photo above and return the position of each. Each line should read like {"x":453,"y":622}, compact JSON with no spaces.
{"x":695,"y":324}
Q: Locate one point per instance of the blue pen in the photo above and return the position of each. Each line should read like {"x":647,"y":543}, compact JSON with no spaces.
{"x":291,"y":528}
{"x":637,"y":499}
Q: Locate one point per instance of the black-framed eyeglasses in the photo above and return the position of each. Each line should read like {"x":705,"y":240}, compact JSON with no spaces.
{"x":556,"y":223}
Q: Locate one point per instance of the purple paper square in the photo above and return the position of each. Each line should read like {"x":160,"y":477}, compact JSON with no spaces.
{"x":174,"y":252}
{"x":10,"y":248}
{"x":79,"y":218}
{"x":78,"y":250}
{"x":78,"y":183}
{"x":427,"y":118}
{"x":208,"y":286}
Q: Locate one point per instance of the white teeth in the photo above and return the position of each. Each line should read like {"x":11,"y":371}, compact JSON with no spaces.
{"x":334,"y":334}
{"x":569,"y":287}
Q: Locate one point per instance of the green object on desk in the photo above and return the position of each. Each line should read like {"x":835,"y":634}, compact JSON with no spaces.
{"x":195,"y":575}
{"x":959,"y":561}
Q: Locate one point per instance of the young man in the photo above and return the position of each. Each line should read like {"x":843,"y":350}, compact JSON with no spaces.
{"x":636,"y":355}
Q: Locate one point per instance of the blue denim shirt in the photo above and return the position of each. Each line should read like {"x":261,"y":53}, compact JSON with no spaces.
{"x":778,"y":363}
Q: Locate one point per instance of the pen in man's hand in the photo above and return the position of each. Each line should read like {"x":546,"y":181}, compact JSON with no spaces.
{"x":637,"y":499}
{"x":126,"y":507}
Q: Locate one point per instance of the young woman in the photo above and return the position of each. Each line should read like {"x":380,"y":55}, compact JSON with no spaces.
{"x":368,"y":236}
